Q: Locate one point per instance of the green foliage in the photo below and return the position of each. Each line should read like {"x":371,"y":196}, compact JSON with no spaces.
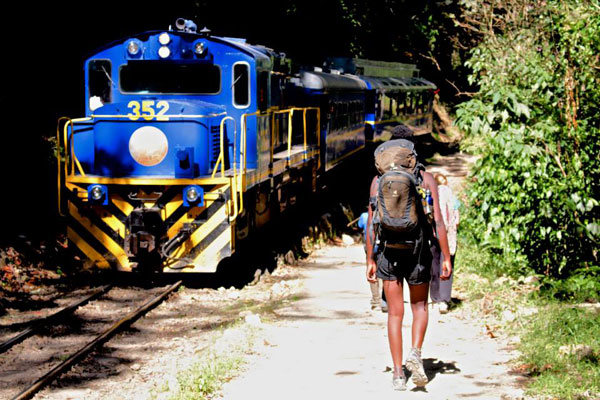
{"x":204,"y":379}
{"x":473,"y":259}
{"x":534,"y":191}
{"x":558,"y":372}
{"x":582,"y":286}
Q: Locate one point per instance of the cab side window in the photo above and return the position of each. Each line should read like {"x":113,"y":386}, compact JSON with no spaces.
{"x":99,"y":83}
{"x":241,"y":85}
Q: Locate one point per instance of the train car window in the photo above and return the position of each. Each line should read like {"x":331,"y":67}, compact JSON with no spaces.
{"x":169,"y":77}
{"x":361,"y":112}
{"x":408,"y":103}
{"x":401,"y":103}
{"x":346,"y":117}
{"x":429,"y":103}
{"x":241,"y":85}
{"x":335,"y":111}
{"x":263,"y":90}
{"x":99,"y":83}
{"x":417,"y":103}
{"x":388,"y":108}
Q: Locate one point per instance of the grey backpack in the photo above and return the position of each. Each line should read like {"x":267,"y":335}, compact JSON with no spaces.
{"x":397,"y":203}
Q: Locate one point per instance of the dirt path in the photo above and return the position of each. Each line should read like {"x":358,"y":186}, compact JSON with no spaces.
{"x":329,"y":344}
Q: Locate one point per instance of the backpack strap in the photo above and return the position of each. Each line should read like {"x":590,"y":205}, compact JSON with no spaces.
{"x":374,"y":226}
{"x":419,"y":168}
{"x":428,"y":228}
{"x":373,"y":193}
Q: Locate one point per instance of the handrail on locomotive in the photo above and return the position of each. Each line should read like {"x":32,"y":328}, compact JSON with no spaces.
{"x":238,"y":181}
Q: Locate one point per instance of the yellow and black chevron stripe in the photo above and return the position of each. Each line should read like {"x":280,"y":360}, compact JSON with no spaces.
{"x":212,"y":238}
{"x":98,"y":232}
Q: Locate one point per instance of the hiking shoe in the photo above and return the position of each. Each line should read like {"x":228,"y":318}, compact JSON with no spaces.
{"x":415,"y":365}
{"x":384,"y":307}
{"x":399,"y":382}
{"x":443,"y":308}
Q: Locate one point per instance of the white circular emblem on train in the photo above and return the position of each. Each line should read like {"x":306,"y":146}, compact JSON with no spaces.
{"x":148,"y":146}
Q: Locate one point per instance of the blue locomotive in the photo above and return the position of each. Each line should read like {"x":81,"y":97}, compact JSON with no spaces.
{"x":191,"y":142}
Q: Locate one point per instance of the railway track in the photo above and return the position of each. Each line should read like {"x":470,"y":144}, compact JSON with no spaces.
{"x":77,"y":356}
{"x":37,"y":325}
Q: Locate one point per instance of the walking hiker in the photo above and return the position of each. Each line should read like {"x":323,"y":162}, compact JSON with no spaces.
{"x":441,"y":290}
{"x":406,"y":228}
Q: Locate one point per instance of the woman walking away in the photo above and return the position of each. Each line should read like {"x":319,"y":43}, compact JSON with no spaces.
{"x":441,"y":290}
{"x":404,"y":235}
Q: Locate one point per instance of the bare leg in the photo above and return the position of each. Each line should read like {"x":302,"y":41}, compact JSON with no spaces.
{"x":418,"y":305}
{"x":395,"y":300}
{"x":375,"y":295}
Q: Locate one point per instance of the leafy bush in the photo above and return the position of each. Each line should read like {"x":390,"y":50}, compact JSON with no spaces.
{"x":534,"y":191}
{"x":582,"y":286}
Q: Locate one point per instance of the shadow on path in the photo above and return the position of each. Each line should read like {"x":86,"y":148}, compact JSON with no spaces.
{"x":432,"y":368}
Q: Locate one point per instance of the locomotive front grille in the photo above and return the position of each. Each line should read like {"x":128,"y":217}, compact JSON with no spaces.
{"x":215,"y":144}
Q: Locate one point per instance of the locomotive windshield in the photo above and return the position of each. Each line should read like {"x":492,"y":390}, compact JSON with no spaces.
{"x":100,"y":84}
{"x":169,"y":77}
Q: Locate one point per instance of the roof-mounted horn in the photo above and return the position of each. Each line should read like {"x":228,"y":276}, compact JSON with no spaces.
{"x":185,"y":25}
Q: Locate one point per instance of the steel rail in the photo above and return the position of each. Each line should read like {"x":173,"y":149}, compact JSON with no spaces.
{"x":85,"y":350}
{"x":40,"y":323}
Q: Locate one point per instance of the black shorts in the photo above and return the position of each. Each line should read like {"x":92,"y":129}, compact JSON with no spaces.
{"x":395,"y":265}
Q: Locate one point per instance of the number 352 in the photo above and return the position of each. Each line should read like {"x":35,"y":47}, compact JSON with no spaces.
{"x":148,"y":110}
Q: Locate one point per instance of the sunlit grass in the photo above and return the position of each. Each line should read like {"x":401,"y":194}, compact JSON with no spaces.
{"x":542,"y":324}
{"x":566,"y":376}
{"x":219,"y":363}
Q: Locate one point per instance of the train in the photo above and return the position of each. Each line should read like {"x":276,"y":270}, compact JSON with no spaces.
{"x":192,"y":142}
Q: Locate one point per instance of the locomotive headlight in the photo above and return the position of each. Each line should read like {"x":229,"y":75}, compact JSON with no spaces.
{"x":164,"y":52}
{"x":98,"y":194}
{"x":199,"y":48}
{"x":164,"y":39}
{"x":148,"y":146}
{"x":133,"y":48}
{"x":193,"y":196}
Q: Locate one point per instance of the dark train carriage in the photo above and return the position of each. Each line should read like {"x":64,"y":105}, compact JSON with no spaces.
{"x":395,"y":94}
{"x":341,"y":99}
